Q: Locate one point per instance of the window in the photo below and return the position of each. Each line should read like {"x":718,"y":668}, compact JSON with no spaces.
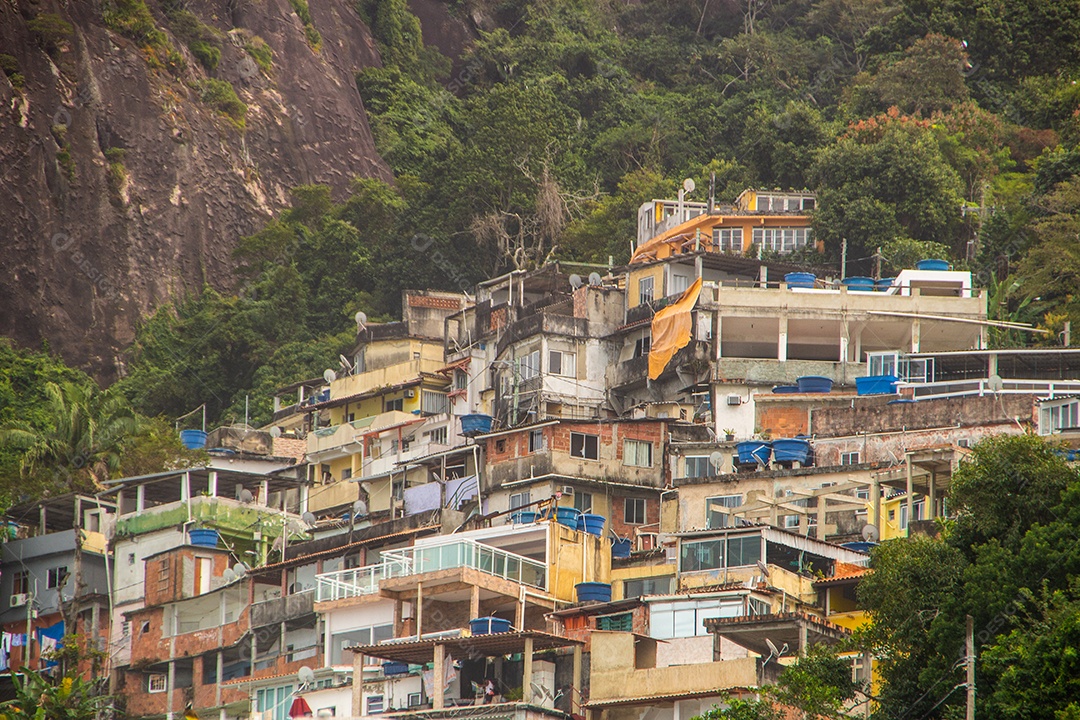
{"x":562,"y":363}
{"x":55,"y":577}
{"x":1060,"y":417}
{"x":781,"y":240}
{"x":699,"y":466}
{"x":809,"y":203}
{"x":634,"y":511}
{"x":623,"y":622}
{"x":881,"y":363}
{"x":395,"y":404}
{"x":536,"y":440}
{"x":529,"y":365}
{"x":716,"y":515}
{"x":647,"y":586}
{"x":679,"y":283}
{"x":437,"y":436}
{"x":849,"y":458}
{"x":743,"y":551}
{"x":917,"y":509}
{"x":728,"y":240}
{"x":374,"y":704}
{"x":157,"y":682}
{"x":414,"y":699}
{"x":583,"y":445}
{"x":645,"y":290}
{"x":346,"y":473}
{"x":583,"y":501}
{"x":862,"y":494}
{"x":461,"y":379}
{"x":643,"y":344}
{"x":20,"y":582}
{"x":434,"y":403}
{"x":637,"y":453}
{"x":274,"y":703}
{"x":519,"y":500}
{"x":736,"y":551}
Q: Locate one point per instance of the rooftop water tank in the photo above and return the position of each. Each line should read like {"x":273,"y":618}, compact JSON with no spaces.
{"x":814,"y":384}
{"x":859,"y":283}
{"x":932,"y":264}
{"x":790,"y":450}
{"x":475,"y":424}
{"x":193,"y":439}
{"x":593,"y":592}
{"x":800,"y":279}
{"x":488,"y":626}
{"x":752,"y":452}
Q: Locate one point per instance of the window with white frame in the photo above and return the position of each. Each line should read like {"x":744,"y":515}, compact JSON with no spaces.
{"x":862,"y":494}
{"x":529,"y":366}
{"x":850,"y":458}
{"x":728,"y":240}
{"x":585,"y":445}
{"x":917,"y":509}
{"x":782,"y":240}
{"x":698,"y":466}
{"x":536,"y":440}
{"x":645,"y":290}
{"x":634,"y":511}
{"x":55,"y":577}
{"x":1059,"y":416}
{"x":374,"y":704}
{"x":720,"y":553}
{"x":716,"y":515}
{"x":461,"y":379}
{"x":637,"y":453}
{"x":881,"y":363}
{"x":518,"y":500}
{"x":436,"y":435}
{"x":395,"y":404}
{"x":679,"y":283}
{"x":562,"y":363}
{"x":686,"y":618}
{"x":583,"y":501}
{"x":157,"y":682}
{"x":434,"y":403}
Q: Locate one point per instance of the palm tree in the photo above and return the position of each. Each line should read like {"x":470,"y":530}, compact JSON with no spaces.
{"x":83,"y":444}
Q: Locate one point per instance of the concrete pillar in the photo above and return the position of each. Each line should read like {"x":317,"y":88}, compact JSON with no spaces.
{"x":358,"y":686}
{"x":916,"y":332}
{"x":185,"y":487}
{"x":220,"y":669}
{"x":264,"y":492}
{"x":991,"y":365}
{"x":717,"y":329}
{"x":845,"y":339}
{"x":910,"y":494}
{"x":170,"y":689}
{"x":397,"y":618}
{"x":526,"y":676}
{"x":576,"y":680}
{"x":140,"y":498}
{"x":781,"y":345}
{"x":474,"y":602}
{"x":802,"y":639}
{"x":931,"y":500}
{"x":875,"y":500}
{"x":858,"y":345}
{"x":211,"y":483}
{"x":419,"y":610}
{"x":438,"y":685}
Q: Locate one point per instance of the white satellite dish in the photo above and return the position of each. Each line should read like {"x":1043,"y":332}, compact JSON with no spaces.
{"x":575,"y":281}
{"x":717,"y":459}
{"x":359,"y":508}
{"x":995,"y":383}
{"x":329,"y":376}
{"x":306,"y":675}
{"x":345,"y":364}
{"x":275,"y":432}
{"x":763,"y":568}
{"x":870,"y":533}
{"x":240,"y":569}
{"x":595,"y":279}
{"x":689,"y":185}
{"x":309,"y":518}
{"x":279,"y":544}
{"x":772,"y":647}
{"x":246,"y":496}
{"x":229,"y":575}
{"x":361,"y":318}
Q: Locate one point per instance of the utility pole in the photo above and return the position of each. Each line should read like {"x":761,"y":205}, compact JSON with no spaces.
{"x":877,"y":263}
{"x":29,"y":628}
{"x":843,"y":258}
{"x":970,"y":662}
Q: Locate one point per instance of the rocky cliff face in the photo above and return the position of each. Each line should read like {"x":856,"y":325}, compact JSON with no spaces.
{"x":122,"y":185}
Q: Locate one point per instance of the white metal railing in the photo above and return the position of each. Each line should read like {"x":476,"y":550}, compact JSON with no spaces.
{"x":984,"y":386}
{"x":447,"y":555}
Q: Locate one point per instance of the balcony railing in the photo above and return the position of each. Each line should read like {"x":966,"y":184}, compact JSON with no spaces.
{"x":462,"y":553}
{"x":984,"y":386}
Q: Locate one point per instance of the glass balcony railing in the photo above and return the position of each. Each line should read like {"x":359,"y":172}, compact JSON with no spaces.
{"x":430,"y":558}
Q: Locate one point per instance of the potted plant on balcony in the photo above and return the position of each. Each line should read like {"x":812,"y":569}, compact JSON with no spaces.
{"x":729,"y":434}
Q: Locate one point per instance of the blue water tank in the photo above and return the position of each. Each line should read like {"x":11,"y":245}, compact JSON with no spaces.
{"x":814,"y":384}
{"x":790,"y":450}
{"x":524,"y":517}
{"x":475,"y":424}
{"x":785,"y":389}
{"x":621,"y":548}
{"x":591,"y":524}
{"x":800,"y":279}
{"x":203,"y":537}
{"x":751,"y":452}
{"x":859,"y":283}
{"x":884,"y":284}
{"x":932,"y":264}
{"x":876,"y":385}
{"x":393,"y":667}
{"x":567,"y":516}
{"x":593,"y":592}
{"x":193,"y":439}
{"x":489,"y":626}
{"x":863,"y":547}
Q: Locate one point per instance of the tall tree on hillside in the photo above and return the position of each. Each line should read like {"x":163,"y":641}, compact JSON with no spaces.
{"x":81,"y":446}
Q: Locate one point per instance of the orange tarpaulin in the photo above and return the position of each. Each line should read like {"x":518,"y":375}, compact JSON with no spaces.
{"x":671,"y":330}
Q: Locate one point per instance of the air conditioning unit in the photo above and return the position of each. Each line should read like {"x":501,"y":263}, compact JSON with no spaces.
{"x":410,"y":393}
{"x":567,"y":490}
{"x":734,"y":399}
{"x":18,"y":600}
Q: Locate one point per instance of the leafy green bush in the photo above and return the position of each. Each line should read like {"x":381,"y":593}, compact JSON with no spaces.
{"x":132,"y":19}
{"x":220,"y":95}
{"x":9,"y":65}
{"x":50,"y":30}
{"x":314,"y":39}
{"x":261,"y":53}
{"x":207,"y":55}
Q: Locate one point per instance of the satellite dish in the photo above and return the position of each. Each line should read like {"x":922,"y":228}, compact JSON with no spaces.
{"x":309,"y":518}
{"x":772,"y":648}
{"x":306,"y":675}
{"x":246,"y":496}
{"x":229,"y":575}
{"x":870,"y":533}
{"x":716,"y":458}
{"x":279,"y":543}
{"x":240,"y":569}
{"x":689,"y":185}
{"x":595,"y":279}
{"x":995,"y":383}
{"x":329,"y":376}
{"x":361,"y":318}
{"x":275,"y":432}
{"x":575,"y":281}
{"x":763,"y":568}
{"x":359,"y":508}
{"x":345,"y":362}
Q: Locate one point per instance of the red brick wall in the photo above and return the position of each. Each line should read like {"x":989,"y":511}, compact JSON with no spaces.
{"x":782,"y":422}
{"x":617,"y":520}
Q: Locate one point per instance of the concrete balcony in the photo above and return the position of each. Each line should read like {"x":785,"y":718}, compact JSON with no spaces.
{"x":279,"y":610}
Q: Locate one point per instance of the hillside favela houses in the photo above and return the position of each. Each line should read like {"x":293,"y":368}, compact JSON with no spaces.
{"x":575,"y":492}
